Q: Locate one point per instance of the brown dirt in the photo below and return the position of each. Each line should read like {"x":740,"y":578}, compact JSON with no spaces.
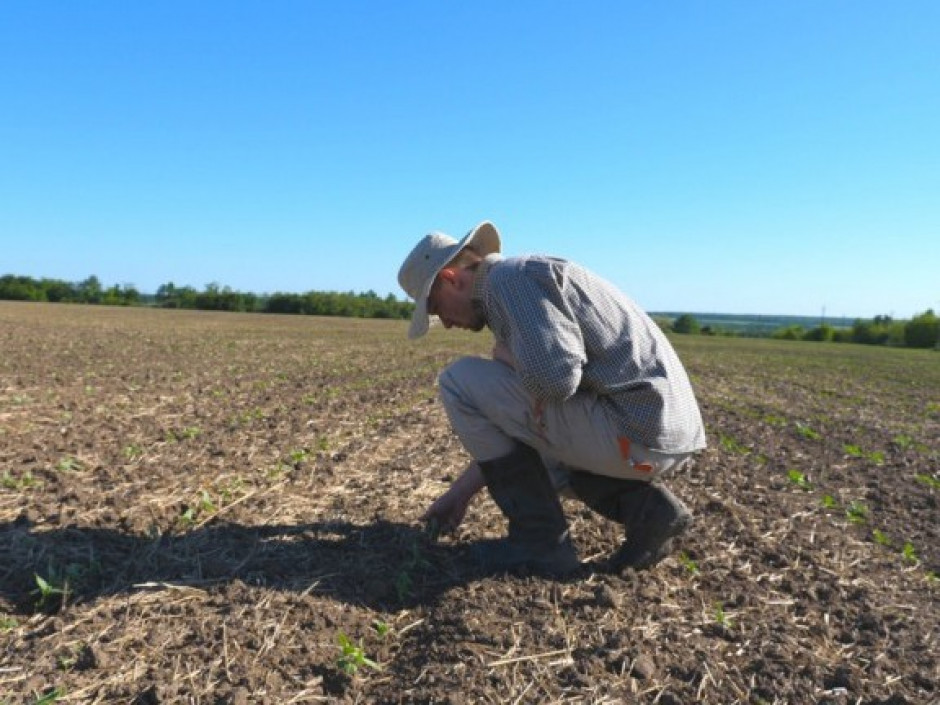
{"x":224,"y":500}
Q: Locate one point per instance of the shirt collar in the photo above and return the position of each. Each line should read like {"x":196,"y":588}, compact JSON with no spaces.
{"x":481,"y":282}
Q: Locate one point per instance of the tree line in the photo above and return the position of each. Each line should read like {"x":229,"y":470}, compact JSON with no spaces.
{"x":921,"y":331}
{"x":213,"y":298}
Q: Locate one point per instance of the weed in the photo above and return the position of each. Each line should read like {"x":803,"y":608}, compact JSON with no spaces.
{"x":910,"y":555}
{"x":774,"y":420}
{"x":352,"y":656}
{"x":857,"y":512}
{"x":828,"y":501}
{"x":880,"y":538}
{"x":7,"y":624}
{"x":799,"y":479}
{"x":808,"y":432}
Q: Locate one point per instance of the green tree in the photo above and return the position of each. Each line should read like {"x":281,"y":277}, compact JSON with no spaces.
{"x":923,"y":331}
{"x":686,"y":323}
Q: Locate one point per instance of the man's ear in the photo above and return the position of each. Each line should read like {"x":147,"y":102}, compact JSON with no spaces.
{"x":448,"y":274}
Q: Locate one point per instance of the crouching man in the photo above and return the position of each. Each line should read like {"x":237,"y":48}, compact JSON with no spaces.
{"x":584,"y":396}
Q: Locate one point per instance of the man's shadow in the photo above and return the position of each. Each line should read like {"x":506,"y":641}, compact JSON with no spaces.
{"x":382,"y":565}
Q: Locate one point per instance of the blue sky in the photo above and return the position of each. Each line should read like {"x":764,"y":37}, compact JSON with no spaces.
{"x":737,"y":157}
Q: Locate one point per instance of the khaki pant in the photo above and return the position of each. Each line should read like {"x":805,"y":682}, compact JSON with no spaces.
{"x":489,"y":410}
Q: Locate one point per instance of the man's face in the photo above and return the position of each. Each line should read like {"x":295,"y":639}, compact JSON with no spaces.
{"x":450,"y":300}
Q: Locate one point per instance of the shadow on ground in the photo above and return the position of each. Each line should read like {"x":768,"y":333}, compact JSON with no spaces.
{"x":380,"y":565}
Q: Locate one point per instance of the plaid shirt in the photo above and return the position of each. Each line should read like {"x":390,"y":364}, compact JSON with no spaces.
{"x":571,"y":331}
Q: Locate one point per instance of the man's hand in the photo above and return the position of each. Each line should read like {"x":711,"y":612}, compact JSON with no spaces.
{"x":448,"y":510}
{"x":446,"y":513}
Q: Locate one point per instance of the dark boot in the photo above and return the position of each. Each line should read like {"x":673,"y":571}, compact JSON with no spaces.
{"x":651,"y":515}
{"x":538,"y":533}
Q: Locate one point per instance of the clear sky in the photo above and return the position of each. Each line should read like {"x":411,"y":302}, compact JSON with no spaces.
{"x":706,"y":156}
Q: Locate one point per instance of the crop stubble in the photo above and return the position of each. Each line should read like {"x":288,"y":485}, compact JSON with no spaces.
{"x":223,"y":498}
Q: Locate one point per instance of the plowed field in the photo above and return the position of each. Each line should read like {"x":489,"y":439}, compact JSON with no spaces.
{"x":223,"y":508}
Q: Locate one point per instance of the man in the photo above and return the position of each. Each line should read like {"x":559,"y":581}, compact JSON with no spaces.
{"x":584,"y":396}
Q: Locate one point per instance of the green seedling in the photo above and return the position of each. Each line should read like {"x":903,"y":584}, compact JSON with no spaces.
{"x":381,"y":628}
{"x":352,"y":656}
{"x":69,"y":464}
{"x":7,"y":624}
{"x":23,"y":482}
{"x":51,"y":697}
{"x":910,"y":555}
{"x":133,"y":452}
{"x":903,"y":442}
{"x":828,"y":501}
{"x":799,"y":479}
{"x":854,"y":451}
{"x":721,"y":616}
{"x":50,"y":591}
{"x":298,"y":455}
{"x":688,"y":563}
{"x":880,"y":538}
{"x":928,"y":480}
{"x":807,"y":432}
{"x":731,"y":445}
{"x":857,"y":512}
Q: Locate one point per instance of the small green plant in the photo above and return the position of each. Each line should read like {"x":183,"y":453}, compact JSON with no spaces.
{"x":51,"y":696}
{"x":721,"y":617}
{"x":352,"y":656}
{"x":381,"y":628}
{"x":828,"y":501}
{"x":133,"y":452}
{"x":880,"y":538}
{"x":7,"y":623}
{"x":69,"y":464}
{"x":731,"y":445}
{"x":910,"y":555}
{"x":23,"y":482}
{"x":928,"y":480}
{"x":807,"y":432}
{"x":799,"y":479}
{"x":903,"y":442}
{"x":688,"y":563}
{"x":877,"y":457}
{"x":298,"y":455}
{"x":857,"y":512}
{"x":51,"y":592}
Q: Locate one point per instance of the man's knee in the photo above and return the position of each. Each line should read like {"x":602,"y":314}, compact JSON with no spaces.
{"x":455,"y":379}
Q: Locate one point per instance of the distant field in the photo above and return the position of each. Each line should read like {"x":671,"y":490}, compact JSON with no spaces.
{"x":759,"y":325}
{"x":223,"y":508}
